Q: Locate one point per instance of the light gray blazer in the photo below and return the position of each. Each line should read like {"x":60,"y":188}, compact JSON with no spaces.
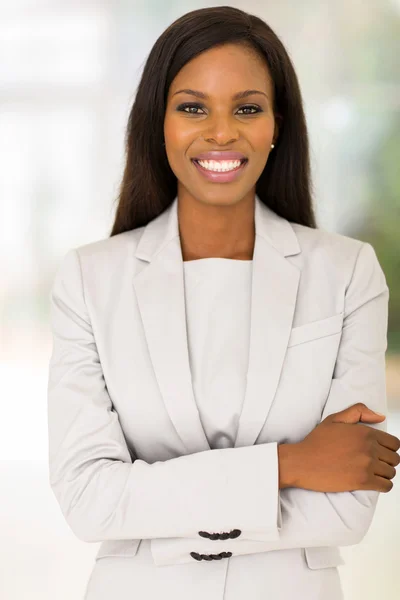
{"x":129,"y":460}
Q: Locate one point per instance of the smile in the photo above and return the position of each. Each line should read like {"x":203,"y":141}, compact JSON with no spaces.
{"x":220,"y":171}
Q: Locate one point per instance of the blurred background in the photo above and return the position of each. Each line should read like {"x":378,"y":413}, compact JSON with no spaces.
{"x":68,"y":74}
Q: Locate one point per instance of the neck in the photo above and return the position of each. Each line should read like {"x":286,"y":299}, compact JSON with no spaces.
{"x":216,"y":231}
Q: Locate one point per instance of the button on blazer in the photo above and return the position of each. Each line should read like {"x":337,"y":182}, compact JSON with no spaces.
{"x":129,"y":461}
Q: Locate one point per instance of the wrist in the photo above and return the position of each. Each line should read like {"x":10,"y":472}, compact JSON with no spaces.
{"x":289,"y":465}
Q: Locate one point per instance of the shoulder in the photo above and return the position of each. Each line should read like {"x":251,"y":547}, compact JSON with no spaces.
{"x":340,"y":255}
{"x":100,"y":261}
{"x":326,"y":243}
{"x":113,"y":247}
{"x":107,"y":257}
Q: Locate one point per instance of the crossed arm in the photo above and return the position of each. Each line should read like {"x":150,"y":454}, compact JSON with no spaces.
{"x":105,"y":494}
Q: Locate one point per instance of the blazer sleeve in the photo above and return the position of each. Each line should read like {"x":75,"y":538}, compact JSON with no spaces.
{"x":107,"y":493}
{"x":310,"y":518}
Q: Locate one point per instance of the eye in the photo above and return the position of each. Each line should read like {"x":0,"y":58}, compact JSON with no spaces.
{"x":191,"y":105}
{"x":257,"y":108}
{"x":185,"y":105}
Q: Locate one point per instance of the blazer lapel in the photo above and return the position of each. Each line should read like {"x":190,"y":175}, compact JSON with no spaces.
{"x":273,"y":300}
{"x":160,"y":293}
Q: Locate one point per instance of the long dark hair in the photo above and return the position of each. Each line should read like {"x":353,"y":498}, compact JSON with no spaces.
{"x":149,"y":185}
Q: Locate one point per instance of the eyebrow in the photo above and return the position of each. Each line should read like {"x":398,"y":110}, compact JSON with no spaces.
{"x":237,"y":96}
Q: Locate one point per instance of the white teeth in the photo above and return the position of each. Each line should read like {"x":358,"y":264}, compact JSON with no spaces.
{"x":219,"y":165}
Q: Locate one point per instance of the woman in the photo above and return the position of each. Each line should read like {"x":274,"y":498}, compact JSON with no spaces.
{"x":213,"y":356}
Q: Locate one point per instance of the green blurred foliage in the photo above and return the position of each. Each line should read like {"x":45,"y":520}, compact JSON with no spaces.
{"x":372,"y":72}
{"x":382,"y":224}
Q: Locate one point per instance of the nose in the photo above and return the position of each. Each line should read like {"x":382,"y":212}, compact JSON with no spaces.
{"x":221,"y":131}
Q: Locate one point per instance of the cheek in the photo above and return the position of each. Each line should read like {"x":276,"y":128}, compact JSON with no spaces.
{"x":178,"y":133}
{"x":261,"y":134}
{"x":179,"y":138}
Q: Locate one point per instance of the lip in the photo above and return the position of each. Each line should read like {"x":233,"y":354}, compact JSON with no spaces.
{"x":221,"y":177}
{"x":220,"y":155}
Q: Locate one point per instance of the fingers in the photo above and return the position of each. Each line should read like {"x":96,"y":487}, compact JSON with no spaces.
{"x":388,"y":456}
{"x":384,"y":470}
{"x":382,"y":484}
{"x":386,"y":439}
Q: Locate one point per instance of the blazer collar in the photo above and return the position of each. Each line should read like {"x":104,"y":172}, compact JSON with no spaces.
{"x":159,"y":288}
{"x":275,"y":230}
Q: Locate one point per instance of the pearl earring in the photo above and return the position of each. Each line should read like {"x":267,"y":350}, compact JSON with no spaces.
{"x":272,"y":145}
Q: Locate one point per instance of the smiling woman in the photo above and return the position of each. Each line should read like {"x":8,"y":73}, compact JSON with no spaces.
{"x":234,"y":120}
{"x":217,"y":86}
{"x":212,"y":357}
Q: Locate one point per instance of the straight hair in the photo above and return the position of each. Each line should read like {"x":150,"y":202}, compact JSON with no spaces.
{"x":148,"y":184}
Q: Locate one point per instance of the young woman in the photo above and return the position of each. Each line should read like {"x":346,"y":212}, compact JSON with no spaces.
{"x":218,"y":364}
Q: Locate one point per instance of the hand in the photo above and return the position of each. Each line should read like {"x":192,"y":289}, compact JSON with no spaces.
{"x":342,"y":455}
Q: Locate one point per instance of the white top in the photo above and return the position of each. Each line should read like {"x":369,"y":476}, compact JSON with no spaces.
{"x":218,"y":292}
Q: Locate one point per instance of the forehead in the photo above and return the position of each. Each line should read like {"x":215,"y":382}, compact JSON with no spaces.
{"x":224,"y":70}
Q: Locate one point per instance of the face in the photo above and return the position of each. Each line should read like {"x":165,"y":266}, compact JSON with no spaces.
{"x":219,"y":122}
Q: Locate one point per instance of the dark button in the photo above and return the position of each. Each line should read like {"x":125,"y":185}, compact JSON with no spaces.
{"x":221,"y":536}
{"x":205,"y":534}
{"x":209,"y":557}
{"x":235,"y":533}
